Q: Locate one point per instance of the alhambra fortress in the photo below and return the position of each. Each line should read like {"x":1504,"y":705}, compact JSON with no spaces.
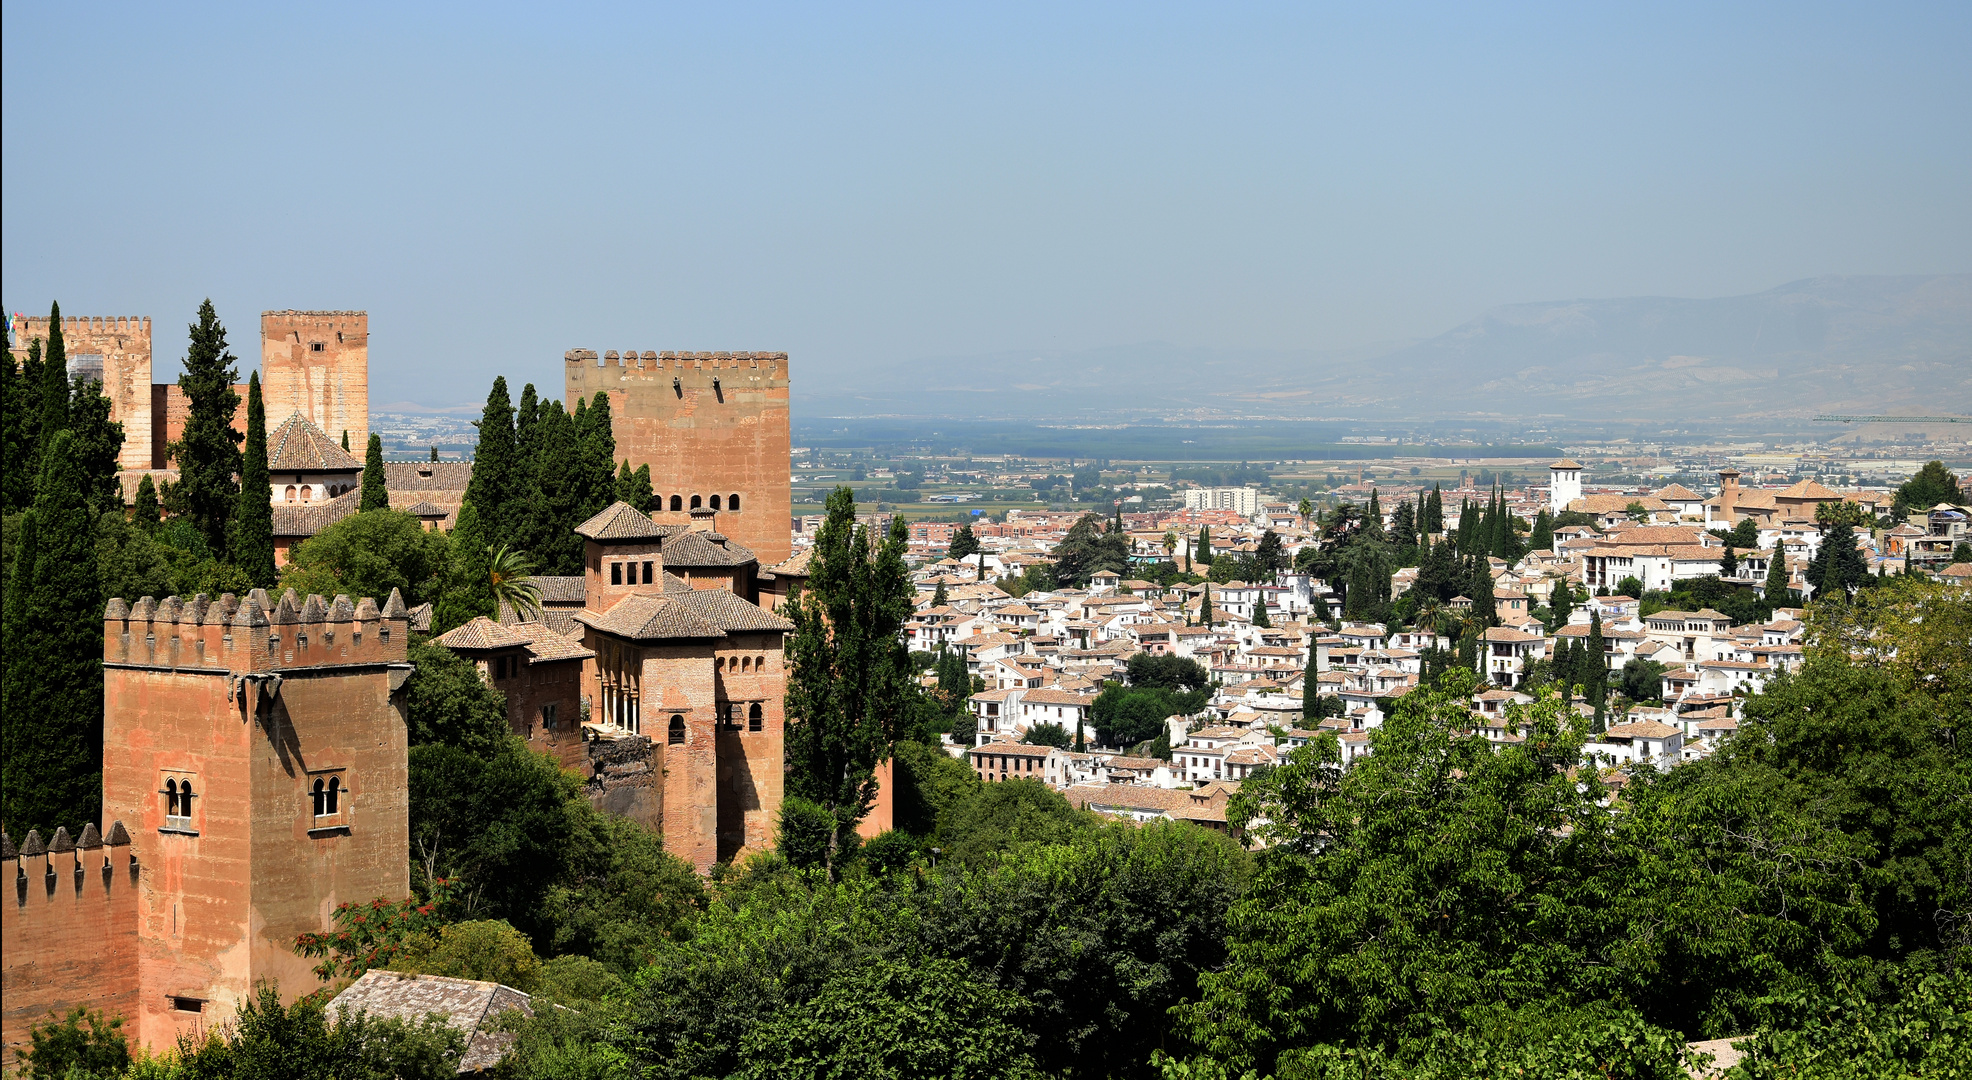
{"x":254,"y":763}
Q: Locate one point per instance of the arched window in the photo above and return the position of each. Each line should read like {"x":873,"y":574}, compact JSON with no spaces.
{"x":677,"y":502}
{"x":753,"y":717}
{"x":185,"y":799}
{"x":759,"y":662}
{"x":319,"y":798}
{"x":171,"y":799}
{"x":746,"y":663}
{"x":732,"y":501}
{"x":677,"y":730}
{"x":290,"y":492}
{"x":335,"y":793}
{"x":715,"y":502}
{"x":697,"y":502}
{"x":307,"y":493}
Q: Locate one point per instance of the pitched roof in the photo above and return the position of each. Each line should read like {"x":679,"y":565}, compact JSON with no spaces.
{"x":469,"y":1005}
{"x":299,"y":446}
{"x":681,"y":611}
{"x":621,"y":521}
{"x":795,"y":565}
{"x":1565,"y":463}
{"x":562,"y":588}
{"x":427,"y":475}
{"x":684,"y":547}
{"x":1676,"y":493}
{"x":307,"y":519}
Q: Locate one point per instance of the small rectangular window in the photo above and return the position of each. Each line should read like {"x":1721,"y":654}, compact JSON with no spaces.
{"x":616,"y":573}
{"x":187,"y":1004}
{"x":647,"y":573}
{"x":316,"y":346}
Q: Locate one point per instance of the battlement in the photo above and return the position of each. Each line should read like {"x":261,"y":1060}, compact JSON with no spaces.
{"x":70,"y":927}
{"x":28,"y":327}
{"x":680,"y":360}
{"x":304,"y":317}
{"x":254,"y":634}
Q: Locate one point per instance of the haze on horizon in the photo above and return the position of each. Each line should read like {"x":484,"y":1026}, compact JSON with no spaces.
{"x":867,"y":186}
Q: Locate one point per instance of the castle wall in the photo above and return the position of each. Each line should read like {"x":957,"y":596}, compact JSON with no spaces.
{"x":707,"y":424}
{"x":317,"y":363}
{"x":124,"y":343}
{"x":67,"y":939}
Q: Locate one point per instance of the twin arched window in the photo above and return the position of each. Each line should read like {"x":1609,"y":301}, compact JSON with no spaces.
{"x":178,"y":799}
{"x":327,"y":797}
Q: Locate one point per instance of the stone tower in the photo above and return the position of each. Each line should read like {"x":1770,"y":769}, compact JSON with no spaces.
{"x":117,"y":350}
{"x":317,"y":363}
{"x":713,"y":427}
{"x":1564,"y":484}
{"x":259,"y":759}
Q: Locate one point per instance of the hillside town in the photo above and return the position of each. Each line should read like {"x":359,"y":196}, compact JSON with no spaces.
{"x":1630,"y":579}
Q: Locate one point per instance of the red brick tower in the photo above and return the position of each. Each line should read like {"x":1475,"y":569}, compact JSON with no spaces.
{"x":713,"y":427}
{"x":259,"y":760}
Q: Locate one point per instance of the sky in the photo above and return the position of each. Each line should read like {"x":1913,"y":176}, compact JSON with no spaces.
{"x":865,"y":185}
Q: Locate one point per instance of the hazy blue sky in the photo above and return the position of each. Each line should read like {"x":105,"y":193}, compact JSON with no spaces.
{"x":861,"y":185}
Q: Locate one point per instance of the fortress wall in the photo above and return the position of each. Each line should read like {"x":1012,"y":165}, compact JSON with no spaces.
{"x":317,"y":363}
{"x":124,"y":343}
{"x":67,"y":931}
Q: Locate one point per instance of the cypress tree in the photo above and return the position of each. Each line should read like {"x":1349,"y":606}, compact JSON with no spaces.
{"x":470,"y":592}
{"x":1480,"y":586}
{"x":207,"y":453}
{"x":492,"y":487}
{"x":1542,"y":538}
{"x":53,"y":692}
{"x":98,"y":444}
{"x":16,"y":426}
{"x":1728,"y":563}
{"x":634,"y":487}
{"x":375,"y":495}
{"x":1776,"y":591}
{"x":1204,"y":545}
{"x":527,"y":422}
{"x":1434,"y":511}
{"x":1205,"y":607}
{"x":253,"y":518}
{"x":147,"y":515}
{"x":53,"y":393}
{"x":598,"y":441}
{"x":554,"y":512}
{"x":1598,"y":665}
{"x":434,"y":453}
{"x":345,"y":440}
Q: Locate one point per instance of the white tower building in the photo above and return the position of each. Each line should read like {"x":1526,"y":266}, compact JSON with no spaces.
{"x":1564,"y":484}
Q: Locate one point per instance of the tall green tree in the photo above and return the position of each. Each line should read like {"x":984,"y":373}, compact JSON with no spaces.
{"x":147,"y":514}
{"x":964,"y":543}
{"x":98,"y":445}
{"x":207,"y":452}
{"x":1776,"y":591}
{"x":1542,"y":538}
{"x":1434,"y":511}
{"x":53,"y":692}
{"x":375,"y":495}
{"x":495,"y":468}
{"x":851,"y":690}
{"x":597,"y":479}
{"x":556,"y":508}
{"x":470,"y":591}
{"x":634,"y":487}
{"x":1838,"y":566}
{"x":53,"y":389}
{"x":1596,"y":658}
{"x":17,"y":426}
{"x":253,"y":518}
{"x":1929,"y":486}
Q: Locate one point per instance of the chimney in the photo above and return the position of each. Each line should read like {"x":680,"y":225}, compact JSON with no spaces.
{"x":704,"y":518}
{"x":1729,"y":495}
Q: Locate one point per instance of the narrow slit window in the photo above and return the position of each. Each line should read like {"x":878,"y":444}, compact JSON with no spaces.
{"x":754,"y":718}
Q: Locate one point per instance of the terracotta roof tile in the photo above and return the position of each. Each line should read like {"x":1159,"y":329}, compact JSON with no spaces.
{"x":297,"y":445}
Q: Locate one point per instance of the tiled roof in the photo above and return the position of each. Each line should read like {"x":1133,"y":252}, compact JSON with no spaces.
{"x":299,"y":446}
{"x":682,"y":612}
{"x":425,"y":508}
{"x":621,"y":521}
{"x":683,"y":547}
{"x":468,"y":1005}
{"x":1642,"y":729}
{"x":795,"y":565}
{"x":1677,"y":493}
{"x":543,"y":643}
{"x":480,"y":633}
{"x":562,"y":588}
{"x":1566,"y":463}
{"x":427,"y":475}
{"x":307,"y":519}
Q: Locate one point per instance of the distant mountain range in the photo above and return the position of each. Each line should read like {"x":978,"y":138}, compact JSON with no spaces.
{"x":1829,"y":344}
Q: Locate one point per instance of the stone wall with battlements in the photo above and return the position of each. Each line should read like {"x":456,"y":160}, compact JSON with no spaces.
{"x":710,"y":426}
{"x":120,"y":348}
{"x":317,"y":363}
{"x":68,"y":929}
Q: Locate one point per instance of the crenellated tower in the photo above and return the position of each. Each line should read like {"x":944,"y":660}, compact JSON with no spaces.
{"x":317,"y":363}
{"x":712,"y":426}
{"x":117,"y":350}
